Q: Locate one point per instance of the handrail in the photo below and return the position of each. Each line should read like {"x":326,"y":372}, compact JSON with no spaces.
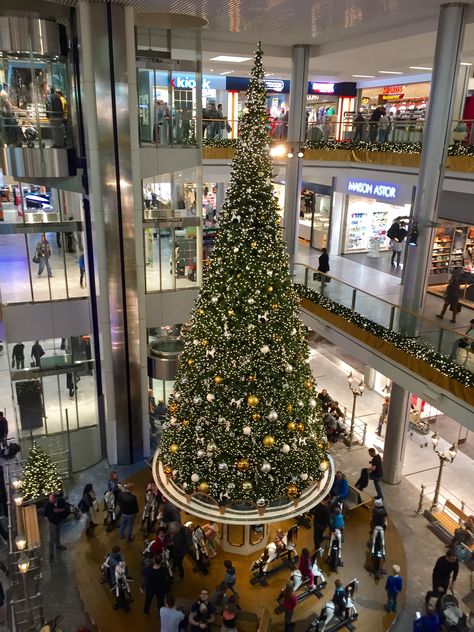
{"x":436,"y":324}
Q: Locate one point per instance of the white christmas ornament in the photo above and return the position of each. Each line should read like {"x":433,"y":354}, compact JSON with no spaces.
{"x":264,"y":349}
{"x":251,"y":301}
{"x":195,"y":478}
{"x":236,"y":249}
{"x":304,"y":476}
{"x":200,"y":453}
{"x":177,"y":395}
{"x":210,"y":397}
{"x":285,"y":448}
{"x":195,"y":341}
{"x":272,"y":415}
{"x":312,"y":403}
{"x":214,"y":300}
{"x":247,"y":430}
{"x":289,"y":368}
{"x":266,"y":467}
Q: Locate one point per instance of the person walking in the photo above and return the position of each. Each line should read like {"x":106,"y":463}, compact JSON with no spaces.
{"x":82,"y":270}
{"x":376,"y":471}
{"x":37,"y":352}
{"x":451,"y":299}
{"x":43,"y":253}
{"x":170,"y":617}
{"x":383,"y":415}
{"x":156,"y":583}
{"x":181,"y":541}
{"x":87,"y":506}
{"x":18,"y":356}
{"x":306,"y":567}
{"x":393,"y":587}
{"x":445,"y":566}
{"x":129,"y":508}
{"x":230,"y":576}
{"x":289,"y":600}
{"x":429,"y":622}
{"x":374,"y":123}
{"x":55,"y":511}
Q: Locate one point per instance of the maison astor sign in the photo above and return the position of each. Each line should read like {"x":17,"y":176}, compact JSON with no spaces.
{"x":388,"y":192}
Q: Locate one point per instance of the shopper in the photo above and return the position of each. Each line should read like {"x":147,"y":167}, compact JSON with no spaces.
{"x":451,"y":299}
{"x":129,"y":508}
{"x":230,"y":576}
{"x":383,"y":415}
{"x":321,"y":522}
{"x":397,"y":248}
{"x":202,"y":613}
{"x":289,"y":601}
{"x":55,"y":511}
{"x":3,"y":428}
{"x":445,"y":566}
{"x":82,"y":270}
{"x":55,"y":114}
{"x":429,"y":622}
{"x":373,"y":124}
{"x":393,"y":586}
{"x":181,"y":541}
{"x":376,"y":471}
{"x":379,"y":515}
{"x":218,"y":597}
{"x":306,"y":567}
{"x":325,"y":399}
{"x":156,"y":583}
{"x":170,"y":617}
{"x":37,"y":352}
{"x":229,"y":618}
{"x":384,"y":127}
{"x":323,"y":266}
{"x":211,"y":531}
{"x":18,"y":356}
{"x":359,"y":123}
{"x":337,"y":521}
{"x":87,"y":506}
{"x":340,"y":489}
{"x":43,"y":253}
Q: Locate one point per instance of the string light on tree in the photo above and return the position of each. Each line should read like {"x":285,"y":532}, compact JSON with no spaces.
{"x":40,"y":475}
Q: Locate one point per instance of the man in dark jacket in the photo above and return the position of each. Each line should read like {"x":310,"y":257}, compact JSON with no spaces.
{"x":376,"y":470}
{"x":156,"y":583}
{"x":129,"y":508}
{"x":181,"y":540}
{"x":56,"y":511}
{"x":321,"y":521}
{"x":441,"y":582}
{"x":374,"y":124}
{"x":3,"y":427}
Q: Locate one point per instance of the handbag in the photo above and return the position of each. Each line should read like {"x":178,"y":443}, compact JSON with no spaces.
{"x":83,"y":506}
{"x":228,"y":127}
{"x":36,"y":259}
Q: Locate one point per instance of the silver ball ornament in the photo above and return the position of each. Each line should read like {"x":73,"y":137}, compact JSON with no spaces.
{"x":222,"y":467}
{"x":304,"y":476}
{"x":195,"y":478}
{"x":200,"y":453}
{"x":266,"y":467}
{"x":210,"y":397}
{"x":264,"y":349}
{"x":285,"y":448}
{"x":247,"y":430}
{"x":261,"y":502}
{"x":272,"y":415}
{"x":312,"y":403}
{"x":197,"y":400}
{"x":288,"y":368}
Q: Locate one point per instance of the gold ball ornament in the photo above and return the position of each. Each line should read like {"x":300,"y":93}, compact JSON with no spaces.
{"x":217,"y":379}
{"x":278,"y":338}
{"x":185,"y":423}
{"x":247,"y":486}
{"x":253,"y":244}
{"x":291,"y":425}
{"x":269,"y":289}
{"x":268,"y":441}
{"x":309,"y":383}
{"x":252,"y":378}
{"x":168,"y":470}
{"x":256,"y":416}
{"x":172,"y":408}
{"x":300,"y":426}
{"x":252,"y":400}
{"x":204,"y":342}
{"x":190,"y":362}
{"x":274,"y":305}
{"x":238,"y":275}
{"x":203,"y":487}
{"x":201,"y":311}
{"x":323,"y":466}
{"x":243,"y":465}
{"x":289,"y":408}
{"x":174,"y":447}
{"x":292,"y":490}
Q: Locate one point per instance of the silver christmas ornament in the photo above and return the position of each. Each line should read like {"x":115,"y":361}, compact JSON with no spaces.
{"x":272,"y":415}
{"x":195,"y":478}
{"x":300,"y":403}
{"x":210,"y":397}
{"x":312,"y":403}
{"x":266,"y":467}
{"x":231,"y":486}
{"x":222,"y":467}
{"x":285,"y":448}
{"x":197,"y":400}
{"x":247,"y":430}
{"x":201,"y":453}
{"x":288,"y":368}
{"x":304,"y":476}
{"x":261,"y":502}
{"x":214,"y":300}
{"x":264,"y":349}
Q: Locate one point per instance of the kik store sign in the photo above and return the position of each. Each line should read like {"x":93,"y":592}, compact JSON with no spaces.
{"x":389,"y":192}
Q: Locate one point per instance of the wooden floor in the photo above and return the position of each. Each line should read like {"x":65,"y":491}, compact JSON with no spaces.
{"x":370,"y":600}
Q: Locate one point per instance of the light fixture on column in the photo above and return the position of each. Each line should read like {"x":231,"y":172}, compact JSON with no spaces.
{"x":20,"y":542}
{"x":291,"y":152}
{"x":445,"y":456}
{"x":23,"y":563}
{"x":18,"y":499}
{"x":300,"y":153}
{"x":16,"y":483}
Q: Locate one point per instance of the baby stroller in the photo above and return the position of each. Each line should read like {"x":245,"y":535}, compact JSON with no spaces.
{"x":335,"y":550}
{"x":452,"y":617}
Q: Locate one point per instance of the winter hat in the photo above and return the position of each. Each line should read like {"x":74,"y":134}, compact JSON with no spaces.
{"x":379,"y":502}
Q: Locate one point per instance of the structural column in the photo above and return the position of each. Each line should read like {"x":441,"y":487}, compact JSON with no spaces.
{"x":436,"y":139}
{"x":396,"y":434}
{"x":296,"y":136}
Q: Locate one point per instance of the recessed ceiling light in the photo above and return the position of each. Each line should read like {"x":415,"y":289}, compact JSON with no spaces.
{"x":466,"y":63}
{"x":390,"y":72}
{"x":365,"y":76}
{"x":421,"y":68}
{"x":231,"y":58}
{"x":211,"y":69}
{"x":227,"y":72}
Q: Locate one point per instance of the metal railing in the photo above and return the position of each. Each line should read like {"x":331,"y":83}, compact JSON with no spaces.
{"x":426,"y":331}
{"x":426,"y":497}
{"x":45,"y":128}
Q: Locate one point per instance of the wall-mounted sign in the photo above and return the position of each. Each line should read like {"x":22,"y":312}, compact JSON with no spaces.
{"x":274,"y":85}
{"x":188,"y":83}
{"x":240,"y":84}
{"x":321,"y":87}
{"x":392,"y":90}
{"x":389,"y":192}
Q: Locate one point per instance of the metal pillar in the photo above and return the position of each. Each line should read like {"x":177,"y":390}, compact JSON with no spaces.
{"x":436,"y":138}
{"x":396,"y":434}
{"x":296,"y":136}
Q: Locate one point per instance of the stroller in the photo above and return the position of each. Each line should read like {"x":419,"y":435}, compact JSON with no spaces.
{"x":335,"y":550}
{"x":452,"y":617}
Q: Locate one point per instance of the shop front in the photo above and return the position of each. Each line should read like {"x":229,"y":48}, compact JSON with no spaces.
{"x":369,"y":208}
{"x":330,"y":110}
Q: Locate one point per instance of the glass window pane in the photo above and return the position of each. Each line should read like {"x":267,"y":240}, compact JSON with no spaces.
{"x":48,"y":250}
{"x":152,"y":259}
{"x":167,"y":258}
{"x":186,"y":261}
{"x":15,"y":283}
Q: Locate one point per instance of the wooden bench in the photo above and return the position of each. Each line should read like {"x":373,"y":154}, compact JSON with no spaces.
{"x":265,"y":622}
{"x":356,"y":498}
{"x":449,"y":518}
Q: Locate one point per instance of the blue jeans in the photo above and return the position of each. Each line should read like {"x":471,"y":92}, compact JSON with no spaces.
{"x":126,"y":524}
{"x":377,"y":486}
{"x":44,"y":261}
{"x":391,"y":601}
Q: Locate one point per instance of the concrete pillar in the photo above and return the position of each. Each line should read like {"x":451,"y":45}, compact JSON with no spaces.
{"x":436,"y":139}
{"x":296,"y":136}
{"x":396,"y":434}
{"x":220,"y":197}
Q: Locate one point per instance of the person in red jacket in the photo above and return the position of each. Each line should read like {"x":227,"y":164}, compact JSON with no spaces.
{"x":306,"y":567}
{"x":160,"y":542}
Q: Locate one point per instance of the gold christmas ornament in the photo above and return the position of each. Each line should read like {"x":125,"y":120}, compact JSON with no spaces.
{"x":185,"y":423}
{"x":201,"y":311}
{"x":292,"y":490}
{"x":256,"y":416}
{"x":278,"y":338}
{"x":168,"y":470}
{"x":323,"y":466}
{"x":243,"y":465}
{"x":309,"y":383}
{"x":172,"y":408}
{"x":253,"y":244}
{"x":269,"y":289}
{"x":230,"y":312}
{"x":247,"y":486}
{"x":252,"y":378}
{"x":274,"y":305}
{"x":238,"y":275}
{"x":291,"y":425}
{"x":218,"y":379}
{"x":174,"y":447}
{"x":289,"y":408}
{"x":268,"y":441}
{"x":203,"y":487}
{"x":190,"y":362}
{"x":300,"y":426}
{"x":204,"y":342}
{"x":252,"y":400}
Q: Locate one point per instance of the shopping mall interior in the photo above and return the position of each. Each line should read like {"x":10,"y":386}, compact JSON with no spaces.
{"x":236,"y":316}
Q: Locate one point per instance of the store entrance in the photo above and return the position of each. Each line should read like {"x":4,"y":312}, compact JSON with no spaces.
{"x":315,"y":214}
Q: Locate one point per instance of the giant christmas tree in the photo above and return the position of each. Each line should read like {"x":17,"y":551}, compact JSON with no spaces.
{"x":244,"y":421}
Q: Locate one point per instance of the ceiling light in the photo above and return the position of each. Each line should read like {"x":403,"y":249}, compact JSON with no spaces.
{"x":278,"y":151}
{"x":465,"y":63}
{"x":227,"y":72}
{"x":390,"y":72}
{"x":365,"y":76}
{"x":421,"y":68}
{"x":269,"y":74}
{"x":211,"y":69}
{"x":233,"y":59}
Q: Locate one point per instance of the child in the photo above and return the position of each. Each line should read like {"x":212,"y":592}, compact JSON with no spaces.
{"x":218,"y":597}
{"x":393,"y":586}
{"x":337,"y":521}
{"x":306,"y":566}
{"x":230,"y":576}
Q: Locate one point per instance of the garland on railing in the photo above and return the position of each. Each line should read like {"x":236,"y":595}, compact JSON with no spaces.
{"x":457,"y":149}
{"x":436,"y":360}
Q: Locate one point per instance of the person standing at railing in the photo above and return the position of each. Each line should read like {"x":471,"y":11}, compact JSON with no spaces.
{"x":55,"y":114}
{"x":359,"y":123}
{"x":374,"y":123}
{"x":383,"y":127}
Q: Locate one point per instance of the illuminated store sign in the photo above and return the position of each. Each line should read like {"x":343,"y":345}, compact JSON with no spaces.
{"x":274,"y":85}
{"x":397,"y":194}
{"x":322,"y":87}
{"x":188,"y":83}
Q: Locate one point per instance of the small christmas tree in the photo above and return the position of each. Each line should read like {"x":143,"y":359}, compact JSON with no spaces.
{"x":244,"y":421}
{"x":40,"y":475}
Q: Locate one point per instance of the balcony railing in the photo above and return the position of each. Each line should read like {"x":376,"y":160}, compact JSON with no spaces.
{"x":414,"y":334}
